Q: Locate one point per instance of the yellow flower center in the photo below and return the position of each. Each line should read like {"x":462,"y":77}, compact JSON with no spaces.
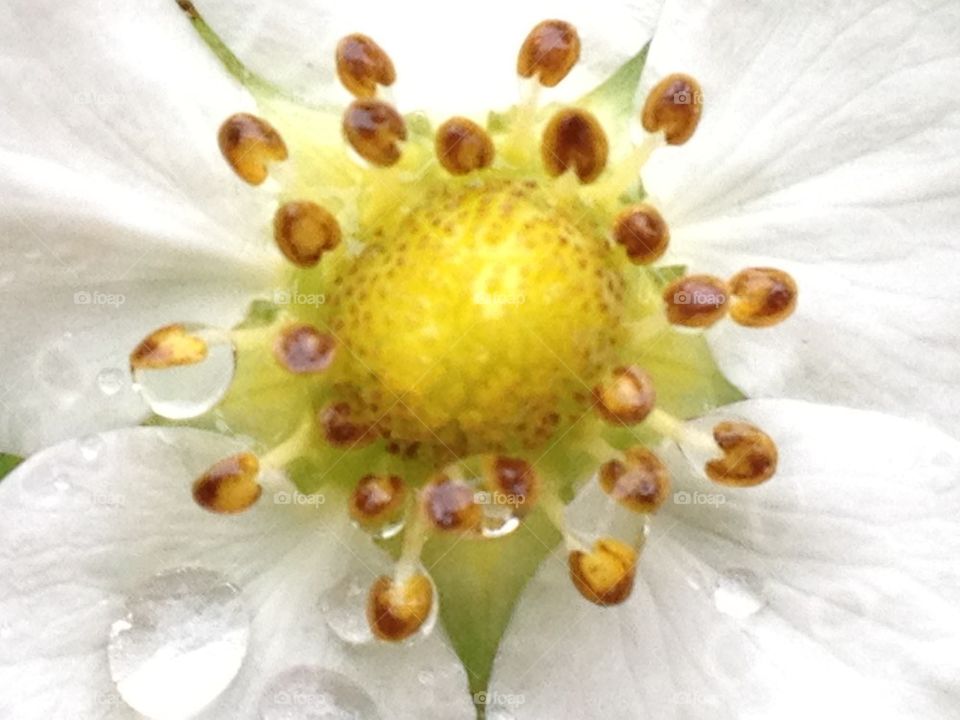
{"x":479,"y":318}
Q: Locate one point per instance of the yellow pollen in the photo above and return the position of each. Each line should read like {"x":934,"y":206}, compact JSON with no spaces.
{"x":478,"y":317}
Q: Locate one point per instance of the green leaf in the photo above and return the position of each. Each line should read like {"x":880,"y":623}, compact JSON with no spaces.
{"x":8,"y":463}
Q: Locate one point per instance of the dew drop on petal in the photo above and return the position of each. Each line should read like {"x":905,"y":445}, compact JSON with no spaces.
{"x":45,"y":489}
{"x":739,"y":593}
{"x":110,"y":381}
{"x":56,"y":366}
{"x":426,"y":678}
{"x":91,"y":447}
{"x":344,"y":608}
{"x":187,"y":391}
{"x":313,"y":693}
{"x":180,"y":642}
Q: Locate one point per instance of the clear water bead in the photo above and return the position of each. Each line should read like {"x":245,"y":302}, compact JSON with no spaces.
{"x":314,"y":693}
{"x":179,"y":644}
{"x":188,"y":391}
{"x":738,"y":592}
{"x":344,"y":608}
{"x":111,"y":381}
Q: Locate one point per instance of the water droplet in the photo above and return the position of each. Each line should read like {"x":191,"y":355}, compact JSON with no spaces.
{"x":110,"y":381}
{"x":180,"y":643}
{"x":313,"y":693}
{"x":425,"y":677}
{"x":57,"y":366}
{"x":91,"y":447}
{"x":344,"y":608}
{"x":188,"y":391}
{"x":739,"y":593}
{"x":384,"y":531}
{"x":45,"y":488}
{"x":498,"y":520}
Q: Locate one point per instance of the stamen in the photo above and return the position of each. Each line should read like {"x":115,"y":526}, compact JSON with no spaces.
{"x":302,"y":349}
{"x":673,"y":107}
{"x":643,"y":232}
{"x":574,"y":139}
{"x":294,"y":446}
{"x":249,"y":144}
{"x":340,"y":430}
{"x":362,"y":65}
{"x":762,"y":297}
{"x":550,"y":51}
{"x":396,"y":609}
{"x":514,"y":483}
{"x":450,"y":505}
{"x":605,"y":575}
{"x":696,"y":301}
{"x":167,"y":347}
{"x":304,"y":231}
{"x":627,"y":397}
{"x":463,"y":146}
{"x":640,"y":483}
{"x":375,"y":129}
{"x":749,"y":455}
{"x":230,"y":486}
{"x":378,"y":500}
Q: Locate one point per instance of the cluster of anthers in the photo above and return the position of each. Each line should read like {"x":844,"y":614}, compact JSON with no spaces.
{"x":480,"y":313}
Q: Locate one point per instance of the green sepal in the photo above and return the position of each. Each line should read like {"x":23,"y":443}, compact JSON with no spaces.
{"x":8,"y":463}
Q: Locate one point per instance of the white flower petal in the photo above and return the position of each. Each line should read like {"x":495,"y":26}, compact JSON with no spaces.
{"x":448,"y":61}
{"x":112,"y":191}
{"x":828,"y":147}
{"x":853,"y":544}
{"x":70,"y":555}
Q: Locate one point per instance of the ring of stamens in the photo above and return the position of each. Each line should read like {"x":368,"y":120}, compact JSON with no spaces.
{"x":466,"y":324}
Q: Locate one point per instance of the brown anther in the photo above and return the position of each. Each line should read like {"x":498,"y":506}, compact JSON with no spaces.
{"x":574,"y":139}
{"x":514,"y":482}
{"x":304,"y":231}
{"x":605,"y":575}
{"x":249,"y":144}
{"x":626,"y":397}
{"x":377,"y":499}
{"x":451,"y":505}
{"x":643,"y":232}
{"x":229,"y":486}
{"x":696,"y":300}
{"x":302,"y":349}
{"x":169,"y":346}
{"x":674,"y":107}
{"x":397,"y":609}
{"x":342,"y":431}
{"x":762,"y":297}
{"x":374,"y":129}
{"x":463,"y":146}
{"x":362,"y":65}
{"x":550,"y":51}
{"x":749,"y":455}
{"x":640,"y":482}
